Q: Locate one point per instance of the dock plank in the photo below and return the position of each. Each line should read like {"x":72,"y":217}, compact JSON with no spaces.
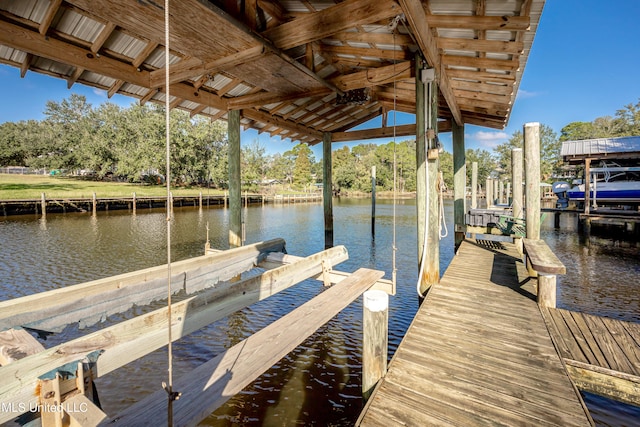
{"x":477,"y":353}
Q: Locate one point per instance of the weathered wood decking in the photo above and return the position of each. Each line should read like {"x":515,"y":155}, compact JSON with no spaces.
{"x":478,"y":353}
{"x":602,"y":355}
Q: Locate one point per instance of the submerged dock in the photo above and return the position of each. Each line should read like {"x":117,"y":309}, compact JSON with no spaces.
{"x":478,"y":353}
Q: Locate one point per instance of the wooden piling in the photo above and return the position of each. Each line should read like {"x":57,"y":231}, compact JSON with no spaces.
{"x":374,"y":339}
{"x":459,"y":183}
{"x":235,"y":192}
{"x":134,"y":203}
{"x":532,"y":178}
{"x":327,"y":188}
{"x":426,"y":177}
{"x":501,"y":192}
{"x":200,"y":200}
{"x":373,"y":200}
{"x":587,"y":186}
{"x":489,"y":192}
{"x":516,"y":178}
{"x":94,"y":203}
{"x":474,"y":185}
{"x":43,"y":204}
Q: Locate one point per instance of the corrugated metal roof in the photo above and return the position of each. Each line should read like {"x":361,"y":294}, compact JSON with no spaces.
{"x":123,"y":34}
{"x":626,"y":144}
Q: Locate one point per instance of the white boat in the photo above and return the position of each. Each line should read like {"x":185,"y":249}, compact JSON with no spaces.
{"x":609,"y":184}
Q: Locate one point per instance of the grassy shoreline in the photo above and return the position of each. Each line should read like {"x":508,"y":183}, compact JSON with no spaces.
{"x":31,"y":187}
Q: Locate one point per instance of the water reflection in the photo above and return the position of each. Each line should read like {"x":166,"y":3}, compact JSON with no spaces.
{"x":319,"y":382}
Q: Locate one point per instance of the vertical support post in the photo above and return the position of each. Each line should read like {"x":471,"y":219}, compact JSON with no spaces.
{"x":200,"y":200}
{"x":43,"y":204}
{"x":501,"y":192}
{"x":474,"y":185}
{"x":532,"y":178}
{"x":547,"y":290}
{"x":373,"y":200}
{"x":94,"y":202}
{"x":459,"y":183}
{"x":489,"y":192}
{"x":516,"y":178}
{"x":134,"y":203}
{"x":587,"y":186}
{"x":374,"y":339}
{"x":235,"y":195}
{"x":496,"y":192}
{"x":427,"y":178}
{"x":327,"y":190}
{"x":507,"y":193}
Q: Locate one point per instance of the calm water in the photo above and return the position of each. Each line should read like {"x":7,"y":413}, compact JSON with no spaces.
{"x":319,"y":382}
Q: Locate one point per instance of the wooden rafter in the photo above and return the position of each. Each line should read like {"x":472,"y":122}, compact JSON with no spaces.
{"x":417,"y":18}
{"x":49,"y":15}
{"x":318,"y":25}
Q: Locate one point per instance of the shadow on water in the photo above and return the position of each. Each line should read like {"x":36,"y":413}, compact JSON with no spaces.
{"x":319,"y":382}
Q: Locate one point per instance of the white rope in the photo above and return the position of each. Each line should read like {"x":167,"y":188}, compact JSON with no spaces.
{"x":425,"y":243}
{"x":394,"y":270}
{"x":441,"y":219}
{"x":171,"y":395}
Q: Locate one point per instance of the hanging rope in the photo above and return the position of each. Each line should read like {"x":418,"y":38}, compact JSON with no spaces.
{"x":441,"y":220}
{"x":171,"y":395}
{"x":394,"y":248}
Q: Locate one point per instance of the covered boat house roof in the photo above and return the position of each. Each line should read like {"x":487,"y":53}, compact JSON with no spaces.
{"x":626,"y":147}
{"x":294,"y":68}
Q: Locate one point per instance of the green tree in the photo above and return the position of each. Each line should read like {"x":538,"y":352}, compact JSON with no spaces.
{"x":302,"y":164}
{"x":253,"y":163}
{"x":486,"y":164}
{"x":68,"y":131}
{"x":550,"y":159}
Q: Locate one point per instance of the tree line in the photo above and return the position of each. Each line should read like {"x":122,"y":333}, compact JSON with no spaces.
{"x":111,"y":142}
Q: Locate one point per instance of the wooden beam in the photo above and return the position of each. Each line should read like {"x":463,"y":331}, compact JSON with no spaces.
{"x":417,"y":18}
{"x":483,"y":76}
{"x":495,"y":89}
{"x":266,"y":98}
{"x":468,"y":61}
{"x":315,"y":26}
{"x":285,"y":124}
{"x":129,"y":340}
{"x":385,"y":54}
{"x":506,"y":23}
{"x":115,"y":87}
{"x":26,"y":63}
{"x":372,"y":38}
{"x":194,"y":67}
{"x":375,"y":76}
{"x":496,"y":46}
{"x":102,"y":37}
{"x":483,"y":96}
{"x":142,"y":56}
{"x":48,"y":47}
{"x":16,"y":344}
{"x":74,"y":77}
{"x":98,"y":298}
{"x":49,"y":15}
{"x":210,"y":385}
{"x":605,"y":382}
{"x":384,"y":132}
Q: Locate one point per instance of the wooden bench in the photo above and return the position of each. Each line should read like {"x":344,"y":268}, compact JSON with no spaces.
{"x":540,"y":259}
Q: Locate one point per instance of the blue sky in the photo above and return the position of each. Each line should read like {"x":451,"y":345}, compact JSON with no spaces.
{"x":584,"y":64}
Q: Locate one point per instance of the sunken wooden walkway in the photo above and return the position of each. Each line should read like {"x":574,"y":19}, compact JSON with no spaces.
{"x":478,"y":353}
{"x":602,"y":355}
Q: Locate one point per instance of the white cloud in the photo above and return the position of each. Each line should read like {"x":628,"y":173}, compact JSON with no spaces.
{"x":523,"y":94}
{"x":100,"y":92}
{"x":490,"y":139}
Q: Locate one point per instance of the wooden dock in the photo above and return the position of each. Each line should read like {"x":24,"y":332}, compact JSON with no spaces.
{"x":478,"y":353}
{"x":602,"y":355}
